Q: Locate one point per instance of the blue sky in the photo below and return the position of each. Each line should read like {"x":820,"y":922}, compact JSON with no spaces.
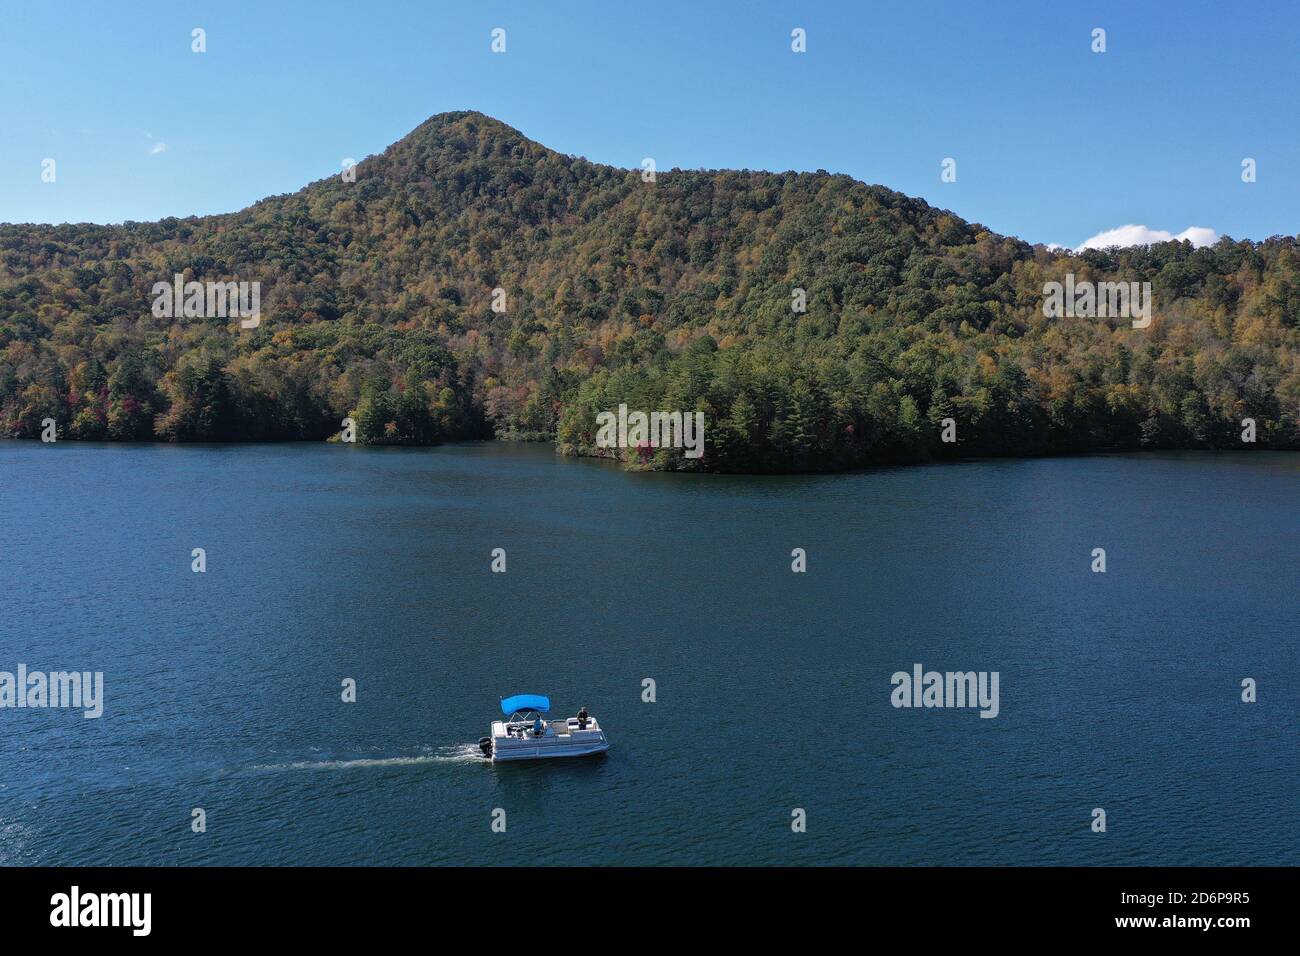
{"x":1053,"y":143}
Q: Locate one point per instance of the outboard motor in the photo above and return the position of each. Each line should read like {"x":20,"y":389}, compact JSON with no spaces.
{"x":485,"y":745}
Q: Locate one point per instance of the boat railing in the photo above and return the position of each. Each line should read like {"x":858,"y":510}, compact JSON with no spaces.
{"x":566,"y":725}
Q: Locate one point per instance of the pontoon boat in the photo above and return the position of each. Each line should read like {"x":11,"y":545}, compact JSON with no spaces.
{"x":526,"y":734}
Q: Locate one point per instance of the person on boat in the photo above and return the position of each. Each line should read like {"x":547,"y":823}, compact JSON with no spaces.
{"x":537,"y":727}
{"x":583,"y":717}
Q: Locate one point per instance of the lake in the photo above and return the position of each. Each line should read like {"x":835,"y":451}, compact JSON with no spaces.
{"x":222,"y":690}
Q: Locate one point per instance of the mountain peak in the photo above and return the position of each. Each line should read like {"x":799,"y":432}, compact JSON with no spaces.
{"x":468,"y":132}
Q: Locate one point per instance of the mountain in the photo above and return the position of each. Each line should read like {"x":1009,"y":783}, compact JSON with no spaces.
{"x":377,"y":303}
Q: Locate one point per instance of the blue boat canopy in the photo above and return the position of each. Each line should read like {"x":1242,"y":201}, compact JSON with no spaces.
{"x":537,"y":702}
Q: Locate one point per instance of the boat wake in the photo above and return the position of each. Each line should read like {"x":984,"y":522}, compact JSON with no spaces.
{"x":461,"y":753}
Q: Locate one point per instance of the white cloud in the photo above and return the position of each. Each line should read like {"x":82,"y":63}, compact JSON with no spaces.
{"x":1132,"y":235}
{"x":157,"y":148}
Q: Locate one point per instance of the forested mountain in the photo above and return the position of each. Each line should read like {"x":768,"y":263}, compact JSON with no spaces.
{"x":377,"y":295}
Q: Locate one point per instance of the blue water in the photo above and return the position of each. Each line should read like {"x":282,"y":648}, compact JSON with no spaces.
{"x":1119,"y":690}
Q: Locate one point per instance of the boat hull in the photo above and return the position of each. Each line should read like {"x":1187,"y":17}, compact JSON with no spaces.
{"x":541,"y":751}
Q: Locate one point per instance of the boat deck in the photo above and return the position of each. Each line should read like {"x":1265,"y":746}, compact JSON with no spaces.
{"x":554,"y":728}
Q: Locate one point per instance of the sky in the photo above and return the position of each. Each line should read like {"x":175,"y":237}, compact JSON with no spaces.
{"x":1052,"y":142}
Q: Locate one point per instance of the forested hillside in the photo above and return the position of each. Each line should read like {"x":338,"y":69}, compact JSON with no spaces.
{"x":376,"y":303}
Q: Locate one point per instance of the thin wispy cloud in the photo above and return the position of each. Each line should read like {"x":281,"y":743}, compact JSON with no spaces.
{"x":157,"y":148}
